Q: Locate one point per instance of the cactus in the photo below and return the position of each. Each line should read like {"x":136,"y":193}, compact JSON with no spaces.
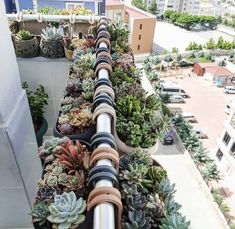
{"x":40,"y":212}
{"x":52,"y":33}
{"x":137,"y":220}
{"x":66,"y":211}
{"x":157,"y":174}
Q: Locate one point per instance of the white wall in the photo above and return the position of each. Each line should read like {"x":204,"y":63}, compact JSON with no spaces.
{"x":19,"y":163}
{"x":52,"y":74}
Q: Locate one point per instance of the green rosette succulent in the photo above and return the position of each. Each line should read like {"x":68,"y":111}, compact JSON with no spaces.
{"x":66,"y":211}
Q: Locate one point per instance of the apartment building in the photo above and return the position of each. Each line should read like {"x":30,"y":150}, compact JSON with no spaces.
{"x":140,"y":24}
{"x":225,"y":155}
{"x":187,"y":6}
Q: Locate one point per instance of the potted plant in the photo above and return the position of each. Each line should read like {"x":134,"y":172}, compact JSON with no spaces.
{"x":37,"y":100}
{"x":52,"y":44}
{"x":63,"y":183}
{"x":26,"y":45}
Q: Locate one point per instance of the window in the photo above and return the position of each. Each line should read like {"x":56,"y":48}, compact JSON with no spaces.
{"x":226,"y":138}
{"x":80,"y":35}
{"x":140,"y":26}
{"x":72,"y":6}
{"x":138,"y":47}
{"x":139,"y":37}
{"x":232,"y":148}
{"x":219,"y":154}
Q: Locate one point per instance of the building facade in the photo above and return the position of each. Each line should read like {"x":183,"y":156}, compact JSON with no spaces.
{"x":96,"y":6}
{"x":225,"y":155}
{"x":140,"y":24}
{"x":182,"y":6}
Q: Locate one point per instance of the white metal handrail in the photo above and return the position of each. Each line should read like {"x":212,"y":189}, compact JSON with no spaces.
{"x":104,"y":213}
{"x":41,"y":17}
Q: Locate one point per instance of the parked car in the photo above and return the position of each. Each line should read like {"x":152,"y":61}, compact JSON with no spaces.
{"x":200,"y":133}
{"x":176,"y":99}
{"x":229,"y":90}
{"x":188,"y":116}
{"x":168,"y":138}
{"x":227,"y":109}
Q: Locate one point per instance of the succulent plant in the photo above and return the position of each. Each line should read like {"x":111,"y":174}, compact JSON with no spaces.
{"x":155,"y":209}
{"x":175,"y":221}
{"x":40,"y":212}
{"x":136,"y":201}
{"x":52,"y":33}
{"x":66,"y":108}
{"x":165,"y":189}
{"x":125,"y":61}
{"x":66,"y":211}
{"x":171,"y":206}
{"x":88,"y":89}
{"x":135,"y":175}
{"x":66,"y":129}
{"x":50,"y":147}
{"x":74,"y":157}
{"x":156,"y":173}
{"x":24,"y":35}
{"x":137,"y":220}
{"x":46,"y":193}
{"x":73,"y":88}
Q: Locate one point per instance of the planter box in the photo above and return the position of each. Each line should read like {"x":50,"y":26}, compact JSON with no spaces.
{"x":26,"y":48}
{"x":52,"y":49}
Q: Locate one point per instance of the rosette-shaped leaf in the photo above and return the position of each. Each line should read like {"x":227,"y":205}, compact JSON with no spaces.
{"x":66,"y":211}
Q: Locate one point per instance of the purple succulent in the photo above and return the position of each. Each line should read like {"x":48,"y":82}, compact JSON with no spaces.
{"x":66,"y":129}
{"x":46,"y":193}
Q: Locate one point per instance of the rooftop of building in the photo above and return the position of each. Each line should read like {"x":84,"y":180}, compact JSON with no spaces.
{"x":219,"y":71}
{"x":208,"y":65}
{"x":114,"y":3}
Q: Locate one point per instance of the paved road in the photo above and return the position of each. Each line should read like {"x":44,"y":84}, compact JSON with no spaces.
{"x":191,"y":193}
{"x":207,"y":103}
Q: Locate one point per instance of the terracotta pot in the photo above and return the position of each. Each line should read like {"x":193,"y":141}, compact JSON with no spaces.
{"x":68,"y":54}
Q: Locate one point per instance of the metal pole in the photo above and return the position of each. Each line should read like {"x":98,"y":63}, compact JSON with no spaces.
{"x":30,"y":17}
{"x":104,"y":213}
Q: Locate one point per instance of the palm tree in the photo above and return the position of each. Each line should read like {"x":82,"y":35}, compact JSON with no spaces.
{"x":211,"y":173}
{"x":201,"y":156}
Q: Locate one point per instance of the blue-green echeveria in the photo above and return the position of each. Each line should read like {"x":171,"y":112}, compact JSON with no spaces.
{"x":66,"y":211}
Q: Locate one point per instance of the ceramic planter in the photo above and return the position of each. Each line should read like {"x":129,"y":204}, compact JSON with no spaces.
{"x":85,"y":136}
{"x":52,"y":49}
{"x":26,"y":48}
{"x":40,"y":133}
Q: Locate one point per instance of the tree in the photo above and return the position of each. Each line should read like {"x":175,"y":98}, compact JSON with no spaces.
{"x":153,"y":8}
{"x":211,"y":44}
{"x":175,"y":50}
{"x":201,"y":156}
{"x":168,"y":13}
{"x":211,"y":173}
{"x":139,"y":4}
{"x":220,"y":43}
